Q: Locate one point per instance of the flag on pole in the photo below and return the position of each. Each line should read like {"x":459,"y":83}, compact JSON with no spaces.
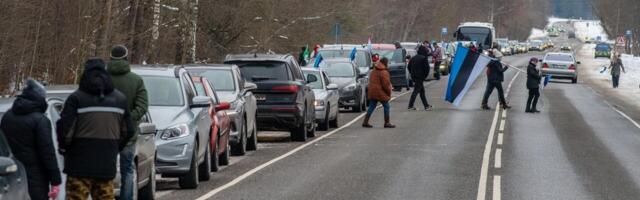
{"x":467,"y":66}
{"x":307,"y":53}
{"x":318,"y":61}
{"x":544,"y":81}
{"x":354,"y":51}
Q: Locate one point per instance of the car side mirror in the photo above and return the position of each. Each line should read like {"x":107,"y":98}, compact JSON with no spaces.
{"x":250,"y":86}
{"x":332,"y":86}
{"x":147,"y":128}
{"x":578,"y":62}
{"x":361,"y":75}
{"x":201,"y":102}
{"x":223,"y":106}
{"x":311,"y":79}
{"x":7,"y":166}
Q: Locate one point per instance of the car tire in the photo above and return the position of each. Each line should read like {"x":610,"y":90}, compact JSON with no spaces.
{"x":190,"y":179}
{"x":364,"y":105}
{"x":334,"y":123}
{"x":148,"y":192}
{"x":324,"y":124}
{"x":205,"y":168}
{"x":240,"y":149}
{"x":574,"y":80}
{"x":311,"y":131}
{"x":224,"y":158}
{"x":215,"y":164}
{"x":357,"y":108}
{"x":300,"y":133}
{"x":253,"y":140}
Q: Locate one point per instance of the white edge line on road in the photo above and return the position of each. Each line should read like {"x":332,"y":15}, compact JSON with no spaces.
{"x":497,"y":162}
{"x":497,"y":194}
{"x":283,"y":156}
{"x":484,"y":170}
{"x":500,"y":137}
{"x":626,"y":116}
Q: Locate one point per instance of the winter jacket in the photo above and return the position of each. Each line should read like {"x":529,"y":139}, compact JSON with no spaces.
{"x":495,"y":71}
{"x":616,"y":67}
{"x":28,"y":132}
{"x":379,"y":83}
{"x":419,"y":67}
{"x":437,"y":54}
{"x":94,"y":126}
{"x":533,"y":77}
{"x":133,"y":88}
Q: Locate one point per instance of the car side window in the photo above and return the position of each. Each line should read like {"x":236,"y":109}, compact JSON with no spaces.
{"x":239,"y":79}
{"x":295,"y":69}
{"x":326,"y":80}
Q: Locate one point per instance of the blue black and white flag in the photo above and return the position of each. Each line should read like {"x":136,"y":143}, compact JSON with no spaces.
{"x":467,"y":66}
{"x":319,"y":60}
{"x":544,"y":81}
{"x":353,"y":54}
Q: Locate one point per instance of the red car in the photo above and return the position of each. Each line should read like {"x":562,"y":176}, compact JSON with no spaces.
{"x":220,"y":125}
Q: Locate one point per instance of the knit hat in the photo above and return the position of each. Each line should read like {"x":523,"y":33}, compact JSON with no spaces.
{"x":534,"y":59}
{"x":34,"y":89}
{"x":119,"y":52}
{"x":94,"y":63}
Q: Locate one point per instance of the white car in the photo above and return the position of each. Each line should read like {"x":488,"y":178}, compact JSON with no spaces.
{"x":327,"y":98}
{"x":560,"y":65}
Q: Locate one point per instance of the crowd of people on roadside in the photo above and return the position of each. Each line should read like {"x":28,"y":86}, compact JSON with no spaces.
{"x":98,"y":122}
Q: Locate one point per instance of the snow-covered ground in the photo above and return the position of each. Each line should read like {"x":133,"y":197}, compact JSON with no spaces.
{"x":589,"y":29}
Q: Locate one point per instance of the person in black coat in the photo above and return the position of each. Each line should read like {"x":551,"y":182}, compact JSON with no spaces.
{"x":495,"y":77}
{"x":419,"y":70}
{"x":533,"y":84}
{"x":28,"y":132}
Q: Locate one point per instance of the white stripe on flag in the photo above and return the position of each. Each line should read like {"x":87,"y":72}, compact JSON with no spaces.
{"x":478,"y":68}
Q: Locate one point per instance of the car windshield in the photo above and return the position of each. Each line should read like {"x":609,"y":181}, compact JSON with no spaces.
{"x":316,"y":84}
{"x":221,"y":79}
{"x":559,"y":57}
{"x":479,"y":34}
{"x":263,"y":71}
{"x":162,"y":91}
{"x":338,"y":69}
{"x":602,"y":47}
{"x":394,"y":56}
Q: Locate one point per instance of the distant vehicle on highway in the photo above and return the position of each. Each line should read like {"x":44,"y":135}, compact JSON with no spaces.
{"x":536,"y":45}
{"x":410,"y":45}
{"x":285,"y":101}
{"x":602,"y":50}
{"x":505,"y":47}
{"x":351,"y":84}
{"x":397,"y":64}
{"x":561,"y":66}
{"x":363,"y":55}
{"x":483,"y":34}
{"x":571,"y":35}
{"x":565,"y":48}
{"x":327,"y":97}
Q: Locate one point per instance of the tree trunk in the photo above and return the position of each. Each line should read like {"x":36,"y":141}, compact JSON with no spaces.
{"x":193,"y":31}
{"x":102,"y":35}
{"x":155,"y":32}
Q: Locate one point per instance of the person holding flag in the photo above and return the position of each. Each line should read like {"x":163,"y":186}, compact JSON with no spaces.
{"x":533,"y":84}
{"x":495,"y":77}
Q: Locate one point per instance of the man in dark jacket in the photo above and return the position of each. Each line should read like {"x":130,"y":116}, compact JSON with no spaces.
{"x":533,"y":84}
{"x":419,"y":70}
{"x":616,"y":66}
{"x":28,"y":132}
{"x":94,"y":126}
{"x":132,"y":86}
{"x":495,"y":77}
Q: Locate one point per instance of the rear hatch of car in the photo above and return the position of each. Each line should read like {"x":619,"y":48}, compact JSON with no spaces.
{"x":274,"y":81}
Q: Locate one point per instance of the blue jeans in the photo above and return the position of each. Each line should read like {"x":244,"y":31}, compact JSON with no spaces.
{"x":127,"y":166}
{"x":374,"y":103}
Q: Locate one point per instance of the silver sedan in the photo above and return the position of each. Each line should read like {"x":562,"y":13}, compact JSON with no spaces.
{"x":560,"y":65}
{"x":327,"y":98}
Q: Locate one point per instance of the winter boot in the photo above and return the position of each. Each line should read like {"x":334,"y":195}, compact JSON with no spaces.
{"x":505,"y":106}
{"x":387,"y":124}
{"x":365,"y":123}
{"x":485,"y":107}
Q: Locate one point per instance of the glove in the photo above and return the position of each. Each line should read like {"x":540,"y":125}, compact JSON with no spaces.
{"x":55,"y":189}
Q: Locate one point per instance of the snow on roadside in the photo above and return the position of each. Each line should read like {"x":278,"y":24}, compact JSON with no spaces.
{"x":632,"y":66}
{"x":537,"y":33}
{"x":589,"y":29}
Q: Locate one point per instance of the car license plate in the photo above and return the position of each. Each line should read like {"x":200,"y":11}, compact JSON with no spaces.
{"x":558,"y":66}
{"x":261,"y":97}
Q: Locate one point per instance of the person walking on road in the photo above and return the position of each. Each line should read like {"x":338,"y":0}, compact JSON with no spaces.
{"x":495,"y":77}
{"x":379,"y":91}
{"x":133,"y":88}
{"x":419,"y":70}
{"x":615,"y":67}
{"x":437,"y":60}
{"x":94,"y":126}
{"x":28,"y":132}
{"x":533,"y":84}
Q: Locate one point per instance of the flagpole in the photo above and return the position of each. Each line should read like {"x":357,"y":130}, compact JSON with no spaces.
{"x":512,"y":67}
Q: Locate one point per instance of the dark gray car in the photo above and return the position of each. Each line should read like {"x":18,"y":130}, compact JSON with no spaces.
{"x":231,"y":87}
{"x":351,"y":83}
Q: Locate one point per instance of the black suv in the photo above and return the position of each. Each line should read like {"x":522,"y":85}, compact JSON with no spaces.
{"x":285,"y":102}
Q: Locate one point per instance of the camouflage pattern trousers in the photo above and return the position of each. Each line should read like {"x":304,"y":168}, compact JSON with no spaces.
{"x":81,"y":188}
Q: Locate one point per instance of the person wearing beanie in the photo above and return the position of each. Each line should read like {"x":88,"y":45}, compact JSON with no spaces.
{"x":28,"y":132}
{"x":133,"y":88}
{"x":95,"y":125}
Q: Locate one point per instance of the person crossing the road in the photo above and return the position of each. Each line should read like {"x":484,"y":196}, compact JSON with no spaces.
{"x":419,"y":70}
{"x":615,"y":67}
{"x":379,"y":91}
{"x":533,"y":84}
{"x":495,"y":77}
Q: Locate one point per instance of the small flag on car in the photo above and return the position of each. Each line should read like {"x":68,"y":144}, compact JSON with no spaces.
{"x":318,"y":61}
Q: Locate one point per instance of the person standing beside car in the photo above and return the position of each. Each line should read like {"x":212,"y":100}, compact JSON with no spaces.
{"x":533,"y":84}
{"x":133,"y":88}
{"x":94,"y":126}
{"x":379,"y":91}
{"x":28,"y":132}
{"x":437,"y":60}
{"x":419,"y":70}
{"x":615,"y":67}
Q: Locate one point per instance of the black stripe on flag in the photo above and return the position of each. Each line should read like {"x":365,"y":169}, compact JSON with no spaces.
{"x":464,"y":73}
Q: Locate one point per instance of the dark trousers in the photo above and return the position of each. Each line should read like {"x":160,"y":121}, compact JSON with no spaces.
{"x":532,"y":101}
{"x":616,"y":80}
{"x":436,"y":70}
{"x":418,"y":89}
{"x":489,"y":90}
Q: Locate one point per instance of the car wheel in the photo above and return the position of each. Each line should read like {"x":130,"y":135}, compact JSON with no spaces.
{"x":224,"y":158}
{"x":358,"y":107}
{"x":205,"y":168}
{"x":311,"y":132}
{"x":300,"y":133}
{"x":334,"y":123}
{"x":253,"y":140}
{"x":241,"y":148}
{"x":215,"y":165}
{"x":574,"y":80}
{"x":363,"y":105}
{"x":148,"y":192}
{"x":324,"y":124}
{"x":190,"y":180}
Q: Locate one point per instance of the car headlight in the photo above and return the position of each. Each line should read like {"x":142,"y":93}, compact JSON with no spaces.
{"x":318,"y":103}
{"x":175,"y":132}
{"x":351,"y":87}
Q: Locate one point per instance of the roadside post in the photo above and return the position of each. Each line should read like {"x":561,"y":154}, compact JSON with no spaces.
{"x":443,"y":33}
{"x":629,"y":35}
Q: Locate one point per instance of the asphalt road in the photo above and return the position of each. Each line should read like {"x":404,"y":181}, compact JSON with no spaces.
{"x":579,"y":147}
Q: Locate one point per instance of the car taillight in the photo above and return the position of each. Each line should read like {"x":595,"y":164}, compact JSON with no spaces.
{"x":545,"y":65}
{"x":573,"y":67}
{"x":286,"y":88}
